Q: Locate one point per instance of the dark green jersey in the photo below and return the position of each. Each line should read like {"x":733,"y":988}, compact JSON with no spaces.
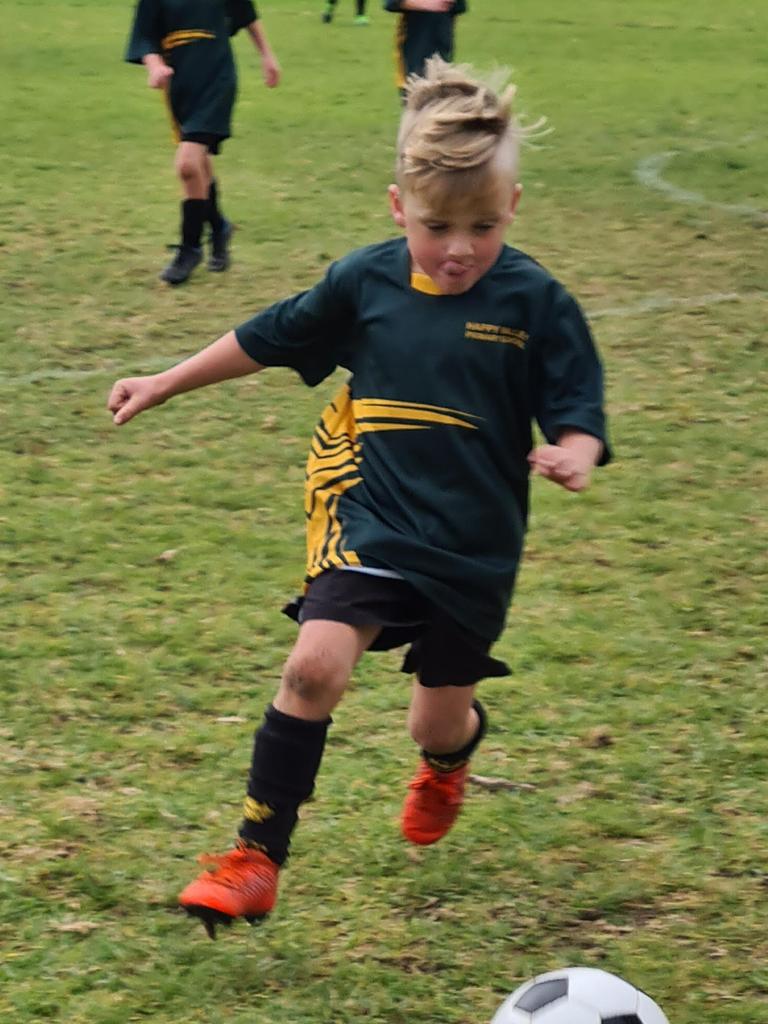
{"x":193,"y":37}
{"x":419,"y":464}
{"x":421,"y":34}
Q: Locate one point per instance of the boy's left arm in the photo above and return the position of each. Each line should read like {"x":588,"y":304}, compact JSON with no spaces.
{"x":569,"y":462}
{"x":270,"y":67}
{"x":568,"y":396}
{"x":243,"y":14}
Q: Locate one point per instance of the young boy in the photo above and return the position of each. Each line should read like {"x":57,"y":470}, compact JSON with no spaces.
{"x":424,"y":28}
{"x":360,"y":15}
{"x":417,"y":478}
{"x":184,"y":45}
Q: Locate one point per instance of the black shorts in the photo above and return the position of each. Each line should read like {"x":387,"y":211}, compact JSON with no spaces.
{"x":441,"y":652}
{"x":208,"y":139}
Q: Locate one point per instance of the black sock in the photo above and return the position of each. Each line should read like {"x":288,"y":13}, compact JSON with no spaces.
{"x":214,"y":214}
{"x":360,"y":8}
{"x":192,"y":220}
{"x":286,"y":757}
{"x":457,"y":759}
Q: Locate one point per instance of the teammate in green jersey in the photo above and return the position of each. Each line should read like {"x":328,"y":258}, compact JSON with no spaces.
{"x":184,"y":45}
{"x":425,"y":28}
{"x":418,"y":474}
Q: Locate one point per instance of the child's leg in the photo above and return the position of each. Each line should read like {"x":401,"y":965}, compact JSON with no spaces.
{"x":447,"y":723}
{"x":287,"y":751}
{"x":194,"y":170}
{"x":288,"y":747}
{"x":221,"y":228}
{"x":443,"y":719}
{"x":193,"y":167}
{"x":213,"y":211}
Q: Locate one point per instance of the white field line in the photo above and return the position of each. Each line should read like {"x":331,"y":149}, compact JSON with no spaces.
{"x":652,"y":304}
{"x":157,"y":363}
{"x":661,"y":303}
{"x":650,"y":173}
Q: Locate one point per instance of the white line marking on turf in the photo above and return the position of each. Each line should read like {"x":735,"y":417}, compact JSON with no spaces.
{"x":649,"y":172}
{"x":652,"y":304}
{"x":157,"y":363}
{"x":660,"y":303}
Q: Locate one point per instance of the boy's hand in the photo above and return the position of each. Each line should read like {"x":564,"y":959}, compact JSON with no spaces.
{"x":158,"y":72}
{"x":562,"y":465}
{"x":132,"y":396}
{"x":270,"y":70}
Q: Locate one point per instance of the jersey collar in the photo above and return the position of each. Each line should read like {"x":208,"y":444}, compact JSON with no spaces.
{"x":424,"y":283}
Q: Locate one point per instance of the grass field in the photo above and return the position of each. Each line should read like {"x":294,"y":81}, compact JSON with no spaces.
{"x":143,"y":569}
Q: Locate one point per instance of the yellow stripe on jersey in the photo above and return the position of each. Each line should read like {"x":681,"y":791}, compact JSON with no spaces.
{"x":369,"y":412}
{"x":175,"y":126}
{"x":335,"y":457}
{"x":332,"y":469}
{"x":185,"y":36}
{"x":400,"y":34}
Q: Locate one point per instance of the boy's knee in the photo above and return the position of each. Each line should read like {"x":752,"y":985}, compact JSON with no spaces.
{"x":438,"y":733}
{"x":314,"y":678}
{"x":188,"y":168}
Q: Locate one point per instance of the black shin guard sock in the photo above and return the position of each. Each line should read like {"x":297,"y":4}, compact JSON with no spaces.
{"x":457,"y":759}
{"x":213,"y":213}
{"x":192,"y":220}
{"x":286,"y":757}
{"x":360,"y":8}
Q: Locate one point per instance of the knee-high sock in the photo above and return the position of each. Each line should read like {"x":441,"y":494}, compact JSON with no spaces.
{"x":286,"y":757}
{"x":214,"y":214}
{"x":192,"y":219}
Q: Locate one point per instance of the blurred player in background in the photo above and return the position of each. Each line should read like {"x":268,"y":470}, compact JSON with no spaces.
{"x":425,"y":28}
{"x":360,"y":16}
{"x":185,"y":47}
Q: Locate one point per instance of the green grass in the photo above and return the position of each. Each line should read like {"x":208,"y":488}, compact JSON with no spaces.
{"x":132,"y":678}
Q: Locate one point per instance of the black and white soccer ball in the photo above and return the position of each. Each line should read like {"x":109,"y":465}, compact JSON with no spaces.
{"x":578,"y":995}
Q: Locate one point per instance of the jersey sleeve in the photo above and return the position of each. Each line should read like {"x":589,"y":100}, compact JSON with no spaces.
{"x":568,"y":375}
{"x":392,"y":5}
{"x":240,"y":14}
{"x":308,"y":332}
{"x":146,"y":31}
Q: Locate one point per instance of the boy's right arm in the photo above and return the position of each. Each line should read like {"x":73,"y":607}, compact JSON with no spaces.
{"x":145,"y":43}
{"x":158,"y":72}
{"x":223,"y":360}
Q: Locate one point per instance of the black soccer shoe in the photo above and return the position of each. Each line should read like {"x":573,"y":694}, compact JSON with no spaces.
{"x":328,"y":15}
{"x":220,"y":259}
{"x":183,"y":263}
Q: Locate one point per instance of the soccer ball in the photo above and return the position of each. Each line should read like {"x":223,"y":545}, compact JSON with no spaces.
{"x":578,"y":995}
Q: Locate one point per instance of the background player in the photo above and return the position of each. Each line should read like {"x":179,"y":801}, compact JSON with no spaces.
{"x":360,"y":15}
{"x":185,"y":47}
{"x":425,"y":28}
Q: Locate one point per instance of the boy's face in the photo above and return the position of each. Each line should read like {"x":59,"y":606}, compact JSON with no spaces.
{"x":456,"y":240}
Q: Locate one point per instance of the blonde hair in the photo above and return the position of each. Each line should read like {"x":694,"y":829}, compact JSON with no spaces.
{"x":456,"y":127}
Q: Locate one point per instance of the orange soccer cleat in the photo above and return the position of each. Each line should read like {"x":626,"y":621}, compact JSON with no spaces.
{"x":242,"y":883}
{"x":433,"y":803}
